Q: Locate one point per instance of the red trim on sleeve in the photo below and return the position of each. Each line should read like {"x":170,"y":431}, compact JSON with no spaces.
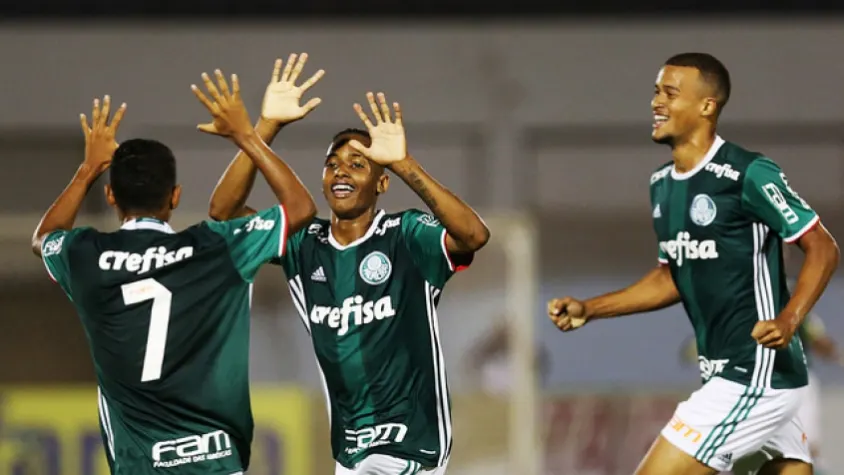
{"x":454,"y":268}
{"x":812,"y":225}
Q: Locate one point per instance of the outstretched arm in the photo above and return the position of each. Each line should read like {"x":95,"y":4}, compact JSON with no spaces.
{"x":231,"y":120}
{"x":466,"y":231}
{"x":228,"y":200}
{"x":280,"y":107}
{"x":99,"y":148}
{"x":654,"y":291}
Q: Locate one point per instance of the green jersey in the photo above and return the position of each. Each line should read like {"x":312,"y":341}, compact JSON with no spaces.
{"x":720,"y":228}
{"x":370,"y":308}
{"x":166,"y":316}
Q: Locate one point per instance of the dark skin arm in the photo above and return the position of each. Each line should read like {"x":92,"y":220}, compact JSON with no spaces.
{"x":820,"y":262}
{"x":99,"y":148}
{"x":281,"y":107}
{"x":654,"y":291}
{"x":466,"y":231}
{"x":62,"y":214}
{"x":231,"y":120}
{"x":228,"y":201}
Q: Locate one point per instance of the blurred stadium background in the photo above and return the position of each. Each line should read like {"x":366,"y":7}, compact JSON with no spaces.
{"x":542,"y":125}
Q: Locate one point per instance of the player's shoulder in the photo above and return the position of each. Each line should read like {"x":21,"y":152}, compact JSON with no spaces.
{"x":739,"y":158}
{"x":317,"y":230}
{"x":413,"y":215}
{"x":661,"y":172}
{"x":63,"y":241}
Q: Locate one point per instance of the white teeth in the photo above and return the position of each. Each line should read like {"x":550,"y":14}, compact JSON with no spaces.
{"x":342,"y":187}
{"x":660,"y":118}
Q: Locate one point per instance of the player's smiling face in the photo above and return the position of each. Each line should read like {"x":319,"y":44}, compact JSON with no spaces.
{"x":350,"y":182}
{"x":678,"y":103}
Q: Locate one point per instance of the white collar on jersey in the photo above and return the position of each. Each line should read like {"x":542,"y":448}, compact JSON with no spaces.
{"x":369,"y":233}
{"x":716,"y":145}
{"x":147,"y":223}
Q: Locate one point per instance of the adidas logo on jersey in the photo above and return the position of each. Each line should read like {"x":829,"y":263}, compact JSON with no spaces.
{"x":684,"y":248}
{"x":657,"y":212}
{"x":318,"y":275}
{"x":355,"y":309}
{"x":152,"y":258}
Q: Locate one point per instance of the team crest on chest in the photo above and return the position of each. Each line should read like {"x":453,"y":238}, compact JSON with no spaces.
{"x":703,"y":210}
{"x":375,"y":268}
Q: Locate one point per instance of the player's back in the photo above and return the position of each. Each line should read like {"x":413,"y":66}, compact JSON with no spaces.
{"x":167,"y":319}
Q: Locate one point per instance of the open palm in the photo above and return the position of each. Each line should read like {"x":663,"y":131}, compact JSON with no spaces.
{"x":282,"y":98}
{"x":389,"y":144}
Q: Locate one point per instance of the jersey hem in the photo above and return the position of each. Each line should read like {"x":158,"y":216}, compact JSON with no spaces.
{"x":769,"y":386}
{"x":425,"y":463}
{"x":808,"y":227}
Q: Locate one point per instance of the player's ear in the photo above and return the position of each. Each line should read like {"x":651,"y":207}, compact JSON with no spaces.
{"x":709,"y":108}
{"x":109,"y":196}
{"x":383,"y":184}
{"x":175,"y":197}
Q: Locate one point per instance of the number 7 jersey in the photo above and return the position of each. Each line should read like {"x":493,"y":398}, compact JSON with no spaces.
{"x":370,"y":310}
{"x":166,"y":316}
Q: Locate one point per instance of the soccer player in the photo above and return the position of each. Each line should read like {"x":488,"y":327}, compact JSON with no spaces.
{"x":366,"y":284}
{"x":721,"y":214}
{"x":166,"y":313}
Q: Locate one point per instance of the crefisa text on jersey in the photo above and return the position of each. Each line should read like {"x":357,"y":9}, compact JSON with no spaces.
{"x":152,"y":258}
{"x":354,"y":307}
{"x":724,"y":170}
{"x":685,"y":248}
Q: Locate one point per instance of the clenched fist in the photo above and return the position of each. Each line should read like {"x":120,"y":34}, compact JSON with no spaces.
{"x":567,"y":313}
{"x":776,"y":333}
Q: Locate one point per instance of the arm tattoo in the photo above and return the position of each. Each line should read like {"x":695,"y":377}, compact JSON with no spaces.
{"x":424,"y":192}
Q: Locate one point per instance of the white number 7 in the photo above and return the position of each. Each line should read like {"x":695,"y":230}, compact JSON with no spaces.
{"x":159,"y":320}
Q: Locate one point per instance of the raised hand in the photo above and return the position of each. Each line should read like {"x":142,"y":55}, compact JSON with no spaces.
{"x":281,"y":101}
{"x":389,"y":144}
{"x":230,"y":118}
{"x":100,"y":142}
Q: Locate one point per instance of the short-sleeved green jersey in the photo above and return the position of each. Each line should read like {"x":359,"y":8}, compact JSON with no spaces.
{"x":720,"y":228}
{"x":166,"y":316}
{"x":371,"y":310}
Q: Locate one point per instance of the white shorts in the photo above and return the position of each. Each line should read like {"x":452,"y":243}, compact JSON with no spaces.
{"x":378,"y":464}
{"x":724,"y":421}
{"x":809,"y":412}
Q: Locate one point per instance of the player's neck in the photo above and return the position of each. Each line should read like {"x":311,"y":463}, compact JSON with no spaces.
{"x":349,"y":230}
{"x":163,"y":217}
{"x":688,"y":154}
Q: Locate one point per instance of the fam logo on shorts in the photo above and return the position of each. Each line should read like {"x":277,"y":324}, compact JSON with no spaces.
{"x":375,"y":268}
{"x":703,"y":210}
